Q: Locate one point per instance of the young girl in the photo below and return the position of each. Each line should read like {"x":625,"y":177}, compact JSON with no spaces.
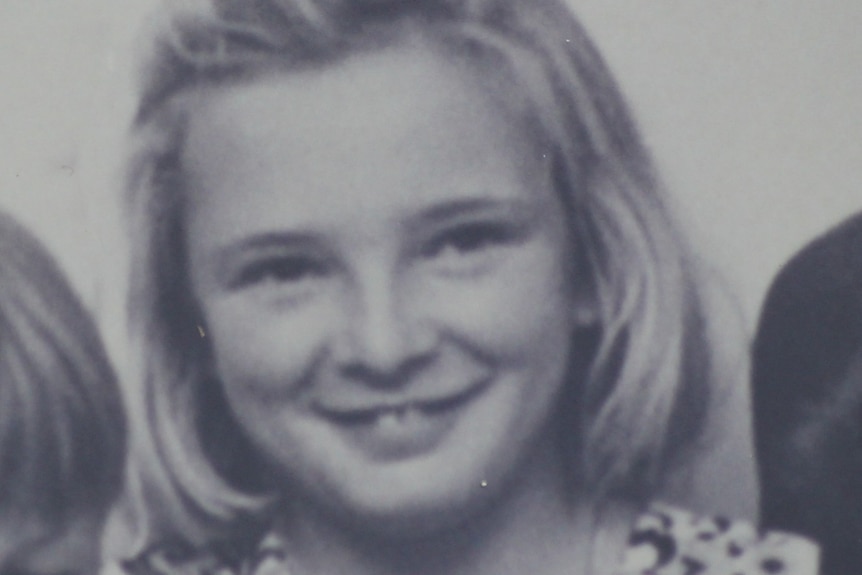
{"x":62,"y":428}
{"x":408,"y":300}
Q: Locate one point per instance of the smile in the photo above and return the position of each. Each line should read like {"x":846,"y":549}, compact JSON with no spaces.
{"x":396,"y":411}
{"x":400,"y":429}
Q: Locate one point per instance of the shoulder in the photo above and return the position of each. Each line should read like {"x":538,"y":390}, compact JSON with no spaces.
{"x":666,"y":540}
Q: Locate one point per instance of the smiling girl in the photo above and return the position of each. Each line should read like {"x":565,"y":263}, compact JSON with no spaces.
{"x":409,"y":300}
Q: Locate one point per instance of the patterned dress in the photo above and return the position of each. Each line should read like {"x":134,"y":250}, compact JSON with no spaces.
{"x":669,"y":541}
{"x":664,"y":541}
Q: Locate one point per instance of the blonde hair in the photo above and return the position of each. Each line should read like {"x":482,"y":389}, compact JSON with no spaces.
{"x":62,"y":423}
{"x":645,"y":396}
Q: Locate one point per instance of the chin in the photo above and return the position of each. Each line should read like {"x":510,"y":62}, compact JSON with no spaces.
{"x":404,"y":510}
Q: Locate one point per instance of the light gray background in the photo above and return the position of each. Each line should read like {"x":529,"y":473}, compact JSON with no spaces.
{"x":753,"y":108}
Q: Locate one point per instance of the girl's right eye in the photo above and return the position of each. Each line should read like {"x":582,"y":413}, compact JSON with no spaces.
{"x":286,"y":271}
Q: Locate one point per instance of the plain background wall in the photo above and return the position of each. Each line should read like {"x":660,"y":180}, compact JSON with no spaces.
{"x":752,"y":107}
{"x":754,"y":110}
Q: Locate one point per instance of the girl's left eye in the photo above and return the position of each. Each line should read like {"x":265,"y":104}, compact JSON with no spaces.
{"x":470,"y":243}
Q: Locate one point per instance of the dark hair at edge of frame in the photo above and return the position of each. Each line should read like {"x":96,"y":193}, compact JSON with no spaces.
{"x":642,"y":274}
{"x":807,"y":383}
{"x":811,"y":468}
{"x":62,"y":421}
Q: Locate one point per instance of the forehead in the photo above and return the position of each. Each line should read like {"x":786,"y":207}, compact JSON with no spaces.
{"x":400,"y":117}
{"x":393,"y":84}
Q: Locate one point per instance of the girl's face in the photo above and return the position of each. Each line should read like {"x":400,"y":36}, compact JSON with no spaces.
{"x":384,"y":273}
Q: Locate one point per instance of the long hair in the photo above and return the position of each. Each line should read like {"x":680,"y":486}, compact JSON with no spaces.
{"x":62,"y":423}
{"x":645,"y":396}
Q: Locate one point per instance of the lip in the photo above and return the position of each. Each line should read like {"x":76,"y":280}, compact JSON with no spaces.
{"x":359,"y":413}
{"x":396,"y":430}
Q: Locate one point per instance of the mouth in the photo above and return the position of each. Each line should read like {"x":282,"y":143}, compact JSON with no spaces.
{"x":396,"y":411}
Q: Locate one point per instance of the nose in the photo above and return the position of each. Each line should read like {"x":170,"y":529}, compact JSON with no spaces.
{"x":384,"y":339}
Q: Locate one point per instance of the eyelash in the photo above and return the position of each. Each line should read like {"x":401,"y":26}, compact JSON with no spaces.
{"x":472,"y":238}
{"x":279,"y":269}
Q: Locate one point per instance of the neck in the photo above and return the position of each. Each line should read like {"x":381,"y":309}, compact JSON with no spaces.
{"x":535,"y":527}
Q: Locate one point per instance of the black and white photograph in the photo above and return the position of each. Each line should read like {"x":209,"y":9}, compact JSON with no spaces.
{"x":430,"y":287}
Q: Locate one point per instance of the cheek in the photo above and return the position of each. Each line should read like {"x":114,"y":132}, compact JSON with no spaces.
{"x":519,"y":315}
{"x":268,"y":351}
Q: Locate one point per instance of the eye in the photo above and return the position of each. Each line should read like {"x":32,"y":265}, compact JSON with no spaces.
{"x":279,"y":270}
{"x":472,"y":237}
{"x":470,"y":244}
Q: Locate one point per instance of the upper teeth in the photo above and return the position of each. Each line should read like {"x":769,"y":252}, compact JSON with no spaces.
{"x":397,"y":414}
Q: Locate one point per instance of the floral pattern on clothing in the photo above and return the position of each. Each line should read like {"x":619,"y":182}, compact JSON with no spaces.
{"x":670,"y":541}
{"x":664,"y":541}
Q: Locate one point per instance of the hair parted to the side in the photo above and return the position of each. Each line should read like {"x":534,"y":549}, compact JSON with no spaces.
{"x":62,"y":422}
{"x":647,"y":390}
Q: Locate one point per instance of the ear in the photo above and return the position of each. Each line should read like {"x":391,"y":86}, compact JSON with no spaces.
{"x":584,"y":308}
{"x":585,"y":314}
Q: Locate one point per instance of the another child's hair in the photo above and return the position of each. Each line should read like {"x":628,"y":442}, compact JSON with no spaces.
{"x":807,"y":387}
{"x":653,"y":365}
{"x":62,"y":424}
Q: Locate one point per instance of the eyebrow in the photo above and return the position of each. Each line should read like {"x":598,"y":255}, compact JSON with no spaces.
{"x":266,"y":240}
{"x":472,"y":206}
